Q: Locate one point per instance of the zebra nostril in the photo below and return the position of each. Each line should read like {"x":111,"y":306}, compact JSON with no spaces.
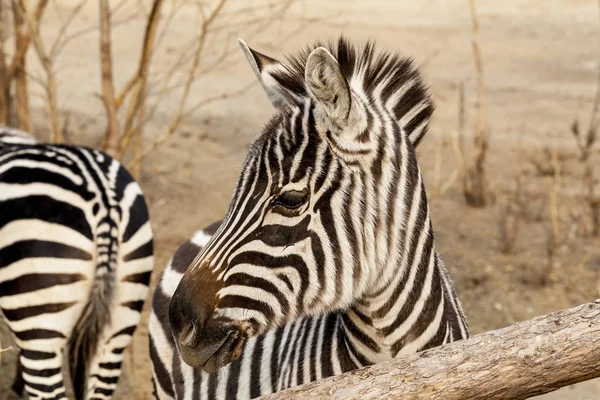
{"x":186,"y":334}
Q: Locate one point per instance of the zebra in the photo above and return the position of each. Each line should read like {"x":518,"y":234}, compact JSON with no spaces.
{"x":76,"y":254}
{"x":325,"y":261}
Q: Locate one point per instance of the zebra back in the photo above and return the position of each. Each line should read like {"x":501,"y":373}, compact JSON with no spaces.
{"x":11,"y":136}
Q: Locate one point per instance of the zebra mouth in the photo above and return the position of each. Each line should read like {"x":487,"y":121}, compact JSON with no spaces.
{"x":228,"y":350}
{"x":214,"y":350}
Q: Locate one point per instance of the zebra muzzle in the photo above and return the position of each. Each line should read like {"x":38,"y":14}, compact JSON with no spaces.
{"x":212,"y":347}
{"x":204,"y":339}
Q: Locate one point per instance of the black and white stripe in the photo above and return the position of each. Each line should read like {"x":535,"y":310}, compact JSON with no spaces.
{"x":325,"y":260}
{"x":75,"y":262}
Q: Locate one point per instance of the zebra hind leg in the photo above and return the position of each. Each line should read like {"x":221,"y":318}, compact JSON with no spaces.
{"x":105,"y":370}
{"x":42,"y":376}
{"x":106,"y":365}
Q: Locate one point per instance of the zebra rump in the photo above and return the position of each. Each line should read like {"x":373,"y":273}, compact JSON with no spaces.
{"x":76,"y":254}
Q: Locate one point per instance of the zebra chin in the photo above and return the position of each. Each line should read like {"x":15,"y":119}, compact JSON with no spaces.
{"x":211,"y":347}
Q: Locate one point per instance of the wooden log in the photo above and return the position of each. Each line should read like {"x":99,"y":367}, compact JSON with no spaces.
{"x":522,"y":360}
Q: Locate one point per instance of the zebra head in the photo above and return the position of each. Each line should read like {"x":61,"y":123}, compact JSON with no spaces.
{"x":313,"y":221}
{"x":12,"y":136}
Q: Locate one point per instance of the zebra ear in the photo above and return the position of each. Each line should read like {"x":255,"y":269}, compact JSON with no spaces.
{"x":327,"y":85}
{"x":264,"y":68}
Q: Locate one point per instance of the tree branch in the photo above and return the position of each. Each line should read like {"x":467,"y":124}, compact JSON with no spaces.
{"x":525,"y":359}
{"x":4,"y":82}
{"x":33,"y":22}
{"x":137,"y":103}
{"x":63,"y":29}
{"x":111,"y":137}
{"x":186,"y":90}
{"x":19,"y":57}
{"x":475,"y":184}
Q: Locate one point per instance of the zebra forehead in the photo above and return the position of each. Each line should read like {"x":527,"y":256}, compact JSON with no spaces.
{"x":287,"y":121}
{"x":284,"y":136}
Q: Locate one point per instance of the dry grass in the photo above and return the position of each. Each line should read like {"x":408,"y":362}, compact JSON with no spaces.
{"x":586,"y":143}
{"x":509,"y":221}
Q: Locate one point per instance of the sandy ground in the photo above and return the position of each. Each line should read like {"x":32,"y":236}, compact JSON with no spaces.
{"x":540,"y":62}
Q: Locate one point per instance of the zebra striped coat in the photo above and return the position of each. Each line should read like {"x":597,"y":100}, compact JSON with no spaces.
{"x":325,"y":261}
{"x":75,"y":262}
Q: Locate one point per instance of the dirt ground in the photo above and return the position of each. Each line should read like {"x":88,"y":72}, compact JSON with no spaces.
{"x":540,"y":65}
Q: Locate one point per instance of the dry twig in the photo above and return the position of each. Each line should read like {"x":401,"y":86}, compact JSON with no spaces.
{"x":554,"y":236}
{"x":17,"y":70}
{"x":4,"y":81}
{"x":111,"y":137}
{"x":62,"y":33}
{"x":137,"y":106}
{"x":18,"y":60}
{"x":510,"y":217}
{"x":474,"y":179}
{"x":458,"y":145}
{"x":586,"y":145}
{"x":50,"y":86}
{"x":186,"y":91}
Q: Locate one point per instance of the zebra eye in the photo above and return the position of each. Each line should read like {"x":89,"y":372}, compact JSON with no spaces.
{"x":291,"y":200}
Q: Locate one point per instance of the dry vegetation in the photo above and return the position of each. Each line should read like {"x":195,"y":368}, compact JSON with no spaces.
{"x":129,"y":108}
{"x":474,"y":179}
{"x":541,"y":212}
{"x":536,"y":196}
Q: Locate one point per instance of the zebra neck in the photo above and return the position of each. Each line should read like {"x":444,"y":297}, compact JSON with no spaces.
{"x":419,"y":311}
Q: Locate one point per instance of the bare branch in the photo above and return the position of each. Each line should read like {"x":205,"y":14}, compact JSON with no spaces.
{"x":18,"y":60}
{"x":68,"y":38}
{"x":458,"y":144}
{"x":4,"y":82}
{"x":481,"y":140}
{"x":51,"y":88}
{"x":474,"y":179}
{"x":63,"y":29}
{"x":18,"y":73}
{"x":159,"y":38}
{"x":3,"y":350}
{"x":216,"y":98}
{"x":111,"y":137}
{"x":186,"y":91}
{"x":175,"y":8}
{"x":141,"y":78}
{"x":509,"y":219}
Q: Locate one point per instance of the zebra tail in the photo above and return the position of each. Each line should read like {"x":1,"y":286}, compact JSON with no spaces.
{"x":94,"y":317}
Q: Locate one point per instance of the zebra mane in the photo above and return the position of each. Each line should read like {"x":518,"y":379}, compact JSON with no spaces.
{"x":394,"y":77}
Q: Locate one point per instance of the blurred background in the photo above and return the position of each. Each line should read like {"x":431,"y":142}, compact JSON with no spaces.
{"x":511,"y":162}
